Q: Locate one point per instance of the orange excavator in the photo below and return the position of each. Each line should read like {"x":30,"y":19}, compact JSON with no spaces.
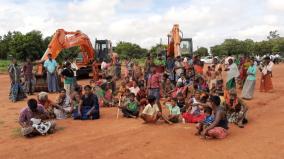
{"x":177,"y":45}
{"x":64,"y":40}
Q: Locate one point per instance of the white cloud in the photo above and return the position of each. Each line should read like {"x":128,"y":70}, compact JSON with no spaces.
{"x":208,"y":22}
{"x":276,"y":5}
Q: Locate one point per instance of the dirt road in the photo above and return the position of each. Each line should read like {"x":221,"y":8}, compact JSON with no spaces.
{"x":262,"y":138}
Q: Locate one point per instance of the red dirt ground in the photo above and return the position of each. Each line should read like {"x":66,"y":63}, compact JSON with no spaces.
{"x":262,"y":138}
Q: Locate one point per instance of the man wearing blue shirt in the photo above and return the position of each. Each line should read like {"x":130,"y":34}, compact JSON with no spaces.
{"x":50,"y":66}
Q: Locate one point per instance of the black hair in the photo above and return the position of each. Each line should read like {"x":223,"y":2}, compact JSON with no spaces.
{"x":109,"y":77}
{"x":208,"y":110}
{"x":87,"y":87}
{"x":132,"y":95}
{"x":165,"y":75}
{"x":204,"y":99}
{"x":78,"y":88}
{"x":32,"y":104}
{"x":68,"y":63}
{"x":151,"y":99}
{"x":63,"y":90}
{"x":216,"y":100}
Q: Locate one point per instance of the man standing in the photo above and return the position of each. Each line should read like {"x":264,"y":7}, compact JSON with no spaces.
{"x":28,"y":76}
{"x":50,"y":66}
{"x":154,"y":85}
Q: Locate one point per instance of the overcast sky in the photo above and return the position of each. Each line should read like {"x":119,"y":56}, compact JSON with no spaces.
{"x":144,"y":22}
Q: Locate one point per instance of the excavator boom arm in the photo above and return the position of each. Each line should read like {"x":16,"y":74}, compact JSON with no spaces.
{"x":61,"y":40}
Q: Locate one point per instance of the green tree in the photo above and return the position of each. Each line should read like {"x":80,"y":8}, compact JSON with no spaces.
{"x":4,"y":45}
{"x":202,"y":51}
{"x":130,"y":50}
{"x":273,"y":35}
{"x":218,"y":50}
{"x":158,"y":48}
{"x":263,"y":47}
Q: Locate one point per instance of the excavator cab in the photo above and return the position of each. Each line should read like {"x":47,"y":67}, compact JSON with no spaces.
{"x":103,"y":48}
{"x":186,"y":47}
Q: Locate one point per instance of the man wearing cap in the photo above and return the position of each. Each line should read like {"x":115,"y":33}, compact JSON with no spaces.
{"x":50,"y":66}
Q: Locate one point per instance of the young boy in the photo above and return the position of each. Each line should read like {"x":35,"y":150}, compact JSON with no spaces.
{"x":206,"y":122}
{"x":152,"y":113}
{"x":174,"y":111}
{"x":130,"y":107}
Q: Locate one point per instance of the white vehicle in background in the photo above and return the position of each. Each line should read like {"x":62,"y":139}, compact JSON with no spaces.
{"x":207,"y":59}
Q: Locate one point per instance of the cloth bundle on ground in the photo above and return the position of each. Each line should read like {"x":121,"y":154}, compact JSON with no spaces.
{"x":41,"y":126}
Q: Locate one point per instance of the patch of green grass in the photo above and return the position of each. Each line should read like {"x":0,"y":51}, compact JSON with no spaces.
{"x":4,"y":65}
{"x":16,"y":132}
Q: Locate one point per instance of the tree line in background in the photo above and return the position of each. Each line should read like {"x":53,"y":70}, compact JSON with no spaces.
{"x":33,"y":45}
{"x":30,"y":45}
{"x":273,"y":44}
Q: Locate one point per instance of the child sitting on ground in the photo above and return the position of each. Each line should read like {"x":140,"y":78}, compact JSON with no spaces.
{"x":108,"y":98}
{"x":130,"y":107}
{"x":180,"y":101}
{"x":174,"y":111}
{"x":142,"y":98}
{"x":121,"y":89}
{"x":152,"y":113}
{"x":209,"y":118}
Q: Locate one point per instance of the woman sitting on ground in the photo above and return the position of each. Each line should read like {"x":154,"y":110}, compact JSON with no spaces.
{"x":193,"y":113}
{"x":64,"y":101}
{"x":134,"y":89}
{"x":236,"y":109}
{"x":180,"y":88}
{"x":48,"y":104}
{"x":88,"y":107}
{"x":219,"y":128}
{"x":168,"y":87}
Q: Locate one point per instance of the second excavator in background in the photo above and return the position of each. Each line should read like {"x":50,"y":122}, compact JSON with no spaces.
{"x":177,"y":45}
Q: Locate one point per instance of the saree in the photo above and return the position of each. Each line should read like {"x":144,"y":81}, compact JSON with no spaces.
{"x":231,"y":75}
{"x":17,"y":92}
{"x":266,"y":83}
